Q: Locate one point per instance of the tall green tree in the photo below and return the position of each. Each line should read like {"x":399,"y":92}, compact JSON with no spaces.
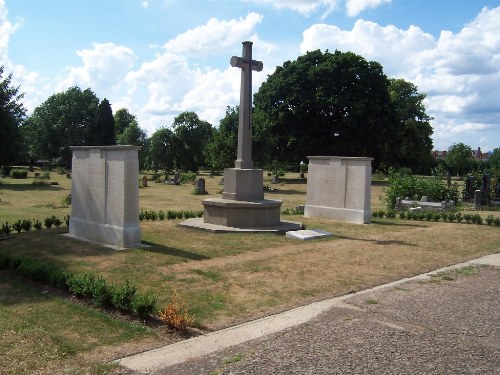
{"x":194,"y":135}
{"x":221,"y":150}
{"x":459,"y":158}
{"x":123,"y":119}
{"x":134,"y":135}
{"x":412,"y":142}
{"x":12,"y":114}
{"x":324,"y":103}
{"x":494,"y":162}
{"x":162,"y":149}
{"x":102,"y":133}
{"x":61,"y":121}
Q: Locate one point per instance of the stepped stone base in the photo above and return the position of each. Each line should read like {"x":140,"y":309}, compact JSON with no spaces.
{"x":242,"y":214}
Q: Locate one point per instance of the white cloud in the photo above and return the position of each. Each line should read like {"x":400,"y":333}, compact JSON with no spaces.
{"x":103,"y":68}
{"x":459,"y":72}
{"x":355,"y":7}
{"x":305,"y":7}
{"x":214,"y":36}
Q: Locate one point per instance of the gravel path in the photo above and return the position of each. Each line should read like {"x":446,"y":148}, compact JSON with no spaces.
{"x":421,"y":327}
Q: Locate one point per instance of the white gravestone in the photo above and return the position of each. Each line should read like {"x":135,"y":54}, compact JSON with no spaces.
{"x":339,"y":188}
{"x":105,"y":195}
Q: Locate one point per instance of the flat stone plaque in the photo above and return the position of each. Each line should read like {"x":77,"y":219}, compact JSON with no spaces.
{"x":308,"y":234}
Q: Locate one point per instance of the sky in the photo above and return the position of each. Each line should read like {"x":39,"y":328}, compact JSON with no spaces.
{"x":158,"y":58}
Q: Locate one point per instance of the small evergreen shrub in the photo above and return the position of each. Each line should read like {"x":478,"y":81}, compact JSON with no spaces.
{"x":5,"y":229}
{"x":123,"y":296}
{"x":459,"y":217}
{"x":161,"y":215}
{"x":144,"y":305}
{"x":48,"y":222}
{"x":56,"y":221}
{"x":497,"y":221}
{"x":468,"y":218}
{"x":477,"y":219}
{"x":18,"y":173}
{"x":26,"y":225}
{"x":37,"y":225}
{"x":187,"y":177}
{"x":489,"y":220}
{"x":17,"y":226}
{"x":403,"y":215}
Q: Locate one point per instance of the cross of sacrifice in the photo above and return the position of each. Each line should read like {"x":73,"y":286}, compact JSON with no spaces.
{"x":245,"y":62}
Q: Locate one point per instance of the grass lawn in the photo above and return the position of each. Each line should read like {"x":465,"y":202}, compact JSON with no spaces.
{"x":224,"y":279}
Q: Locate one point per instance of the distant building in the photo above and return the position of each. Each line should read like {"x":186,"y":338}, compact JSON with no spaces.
{"x":476,"y":154}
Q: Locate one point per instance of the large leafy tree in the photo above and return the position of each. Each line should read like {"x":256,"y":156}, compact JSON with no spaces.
{"x":494,"y":161}
{"x":162,"y":148}
{"x":459,"y":158}
{"x":324,"y":103}
{"x":123,"y":118}
{"x":12,"y":113}
{"x":102,"y":132}
{"x":194,"y":135}
{"x":134,"y":135}
{"x":413,"y":143}
{"x":221,"y":150}
{"x":63,"y":120}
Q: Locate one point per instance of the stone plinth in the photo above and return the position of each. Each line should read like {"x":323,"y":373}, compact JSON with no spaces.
{"x":243,"y":184}
{"x":105,"y":195}
{"x":241,"y":214}
{"x":339,"y":188}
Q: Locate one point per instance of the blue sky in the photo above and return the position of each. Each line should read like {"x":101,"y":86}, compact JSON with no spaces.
{"x":162,"y":57}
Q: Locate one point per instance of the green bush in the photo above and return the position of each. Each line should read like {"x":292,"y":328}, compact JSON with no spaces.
{"x":161,"y":215}
{"x":48,"y":222}
{"x":489,"y":219}
{"x":459,"y":217}
{"x":477,"y":219}
{"x":37,"y":225}
{"x":497,"y":221}
{"x":452,"y":217}
{"x":5,"y":229}
{"x":187,"y":177}
{"x":66,"y":220}
{"x":403,"y":215}
{"x":56,"y":221}
{"x":18,"y":173}
{"x":26,"y":225}
{"x":404,"y":185}
{"x":391,"y":214}
{"x":144,"y":305}
{"x":468,"y":218}
{"x":17,"y":226}
{"x":123,"y":296}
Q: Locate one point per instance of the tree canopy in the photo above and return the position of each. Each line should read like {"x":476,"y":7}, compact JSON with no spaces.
{"x":335,"y":103}
{"x":64,"y":119}
{"x":194,"y":136}
{"x":459,"y":157}
{"x":102,"y":133}
{"x":221,"y":150}
{"x":12,"y":114}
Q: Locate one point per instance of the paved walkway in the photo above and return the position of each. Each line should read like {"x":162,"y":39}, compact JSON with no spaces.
{"x":411,"y":326}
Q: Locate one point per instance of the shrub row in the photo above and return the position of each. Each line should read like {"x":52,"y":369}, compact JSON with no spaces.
{"x":169,"y":215}
{"x":437,"y":216}
{"x":299,"y":210}
{"x":26,"y":224}
{"x":18,"y":173}
{"x":86,"y":285}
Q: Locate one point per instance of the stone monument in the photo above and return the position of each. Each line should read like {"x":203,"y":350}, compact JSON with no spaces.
{"x":105,"y":195}
{"x":339,"y":188}
{"x":242,"y":205}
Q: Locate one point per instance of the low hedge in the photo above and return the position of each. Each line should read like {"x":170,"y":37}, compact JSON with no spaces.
{"x":87,"y":285}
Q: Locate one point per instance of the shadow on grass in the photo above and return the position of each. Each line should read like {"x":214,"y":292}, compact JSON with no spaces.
{"x":29,"y":187}
{"x":377,"y":242}
{"x":400,"y":224}
{"x":277,"y":190}
{"x":160,"y":249}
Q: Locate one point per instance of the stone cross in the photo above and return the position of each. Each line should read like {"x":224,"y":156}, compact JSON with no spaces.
{"x":244,"y":155}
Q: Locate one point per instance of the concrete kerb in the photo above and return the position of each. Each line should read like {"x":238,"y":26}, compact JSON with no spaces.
{"x":199,"y":346}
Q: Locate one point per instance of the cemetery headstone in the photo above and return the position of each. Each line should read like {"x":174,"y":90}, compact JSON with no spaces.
{"x":105,"y":195}
{"x":144,"y":181}
{"x":469,"y":188}
{"x":486,"y":188}
{"x":339,"y":188}
{"x":477,"y":200}
{"x":199,"y":186}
